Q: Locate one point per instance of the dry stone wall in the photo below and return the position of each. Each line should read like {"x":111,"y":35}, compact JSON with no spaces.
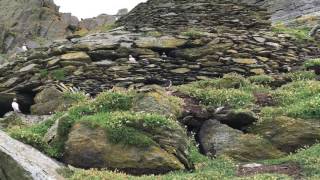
{"x":219,"y":42}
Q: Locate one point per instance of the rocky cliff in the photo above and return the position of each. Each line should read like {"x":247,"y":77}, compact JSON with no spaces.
{"x":33,"y":22}
{"x":284,"y":10}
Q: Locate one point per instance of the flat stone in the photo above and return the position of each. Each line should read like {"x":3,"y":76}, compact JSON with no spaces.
{"x":181,"y":70}
{"x":245,"y":61}
{"x":259,"y":39}
{"x":165,"y":42}
{"x":28,"y":68}
{"x":76,"y":56}
{"x":258,"y":71}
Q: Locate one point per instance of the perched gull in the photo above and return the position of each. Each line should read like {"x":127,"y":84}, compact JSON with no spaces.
{"x":219,"y":109}
{"x":24,"y":48}
{"x":164,"y":55}
{"x":132,"y":59}
{"x":15,"y":106}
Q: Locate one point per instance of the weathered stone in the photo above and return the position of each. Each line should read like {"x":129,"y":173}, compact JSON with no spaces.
{"x":23,"y":162}
{"x":181,"y":70}
{"x":218,"y":139}
{"x":88,"y":147}
{"x":29,"y":68}
{"x":287,"y":134}
{"x":77,"y":56}
{"x":164,"y":42}
{"x":245,"y":61}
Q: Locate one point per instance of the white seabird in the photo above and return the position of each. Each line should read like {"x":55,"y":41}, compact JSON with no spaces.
{"x":132,"y":59}
{"x":24,"y":48}
{"x":164,"y":55}
{"x":15,"y":106}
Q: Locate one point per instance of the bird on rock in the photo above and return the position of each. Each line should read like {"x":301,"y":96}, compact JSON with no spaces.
{"x":132,"y":59}
{"x":15,"y":106}
{"x":24,"y":48}
{"x":164,"y":55}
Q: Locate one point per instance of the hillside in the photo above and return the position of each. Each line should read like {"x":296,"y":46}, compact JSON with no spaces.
{"x":174,"y":89}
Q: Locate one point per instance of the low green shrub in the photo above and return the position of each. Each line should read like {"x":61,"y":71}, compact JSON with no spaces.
{"x":301,"y":75}
{"x":312,"y":63}
{"x":261,"y":79}
{"x":58,"y":74}
{"x":113,"y":101}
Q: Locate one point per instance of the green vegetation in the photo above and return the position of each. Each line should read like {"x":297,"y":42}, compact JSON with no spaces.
{"x":34,"y":135}
{"x":193,"y":33}
{"x":232,"y":90}
{"x":43,"y":73}
{"x":299,"y":34}
{"x":312,"y":63}
{"x":301,"y":75}
{"x":58,"y":74}
{"x":261,"y":79}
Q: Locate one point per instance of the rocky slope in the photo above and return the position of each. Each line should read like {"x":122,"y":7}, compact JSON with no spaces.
{"x":33,"y":22}
{"x":284,"y":10}
{"x":38,"y":22}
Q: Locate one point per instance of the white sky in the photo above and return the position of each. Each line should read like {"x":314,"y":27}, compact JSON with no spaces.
{"x":92,"y":8}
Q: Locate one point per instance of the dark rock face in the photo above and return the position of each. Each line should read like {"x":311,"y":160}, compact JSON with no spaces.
{"x":91,"y":23}
{"x":202,"y":14}
{"x":34,"y":22}
{"x":284,"y":10}
{"x":217,"y":139}
{"x":287,"y":134}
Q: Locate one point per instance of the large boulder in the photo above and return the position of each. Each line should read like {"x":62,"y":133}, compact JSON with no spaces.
{"x":90,"y":147}
{"x":219,"y":139}
{"x":158,"y":102}
{"x":288,"y":134}
{"x":49,"y":101}
{"x":20,"y":161}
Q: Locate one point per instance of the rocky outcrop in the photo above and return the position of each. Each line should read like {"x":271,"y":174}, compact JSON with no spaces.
{"x":33,"y":22}
{"x":287,"y":133}
{"x":19,"y":161}
{"x":284,"y":10}
{"x":89,"y":147}
{"x":217,"y":139}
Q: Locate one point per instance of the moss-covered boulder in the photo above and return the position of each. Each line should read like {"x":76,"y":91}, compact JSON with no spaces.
{"x":89,"y":147}
{"x":219,"y":139}
{"x":158,"y":102}
{"x":51,"y":100}
{"x":288,"y":134}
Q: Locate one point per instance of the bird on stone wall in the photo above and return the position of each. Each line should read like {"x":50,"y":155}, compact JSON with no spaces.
{"x":15,"y":106}
{"x":132,"y":59}
{"x":24,"y":48}
{"x":164,"y":55}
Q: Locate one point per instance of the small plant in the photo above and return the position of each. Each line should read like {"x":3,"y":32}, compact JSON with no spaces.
{"x":301,"y":75}
{"x":261,"y":79}
{"x":313,"y":64}
{"x":299,"y":34}
{"x":193,"y":33}
{"x":43,"y":73}
{"x":112,"y":101}
{"x":58,"y":74}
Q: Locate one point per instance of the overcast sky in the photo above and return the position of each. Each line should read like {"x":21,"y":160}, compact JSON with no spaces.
{"x":92,"y":8}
